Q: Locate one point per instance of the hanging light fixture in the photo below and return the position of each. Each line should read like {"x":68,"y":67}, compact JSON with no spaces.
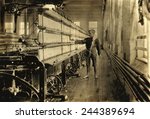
{"x":16,"y":7}
{"x":140,"y":10}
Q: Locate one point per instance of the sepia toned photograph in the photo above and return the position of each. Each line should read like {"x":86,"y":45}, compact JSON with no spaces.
{"x":74,"y":50}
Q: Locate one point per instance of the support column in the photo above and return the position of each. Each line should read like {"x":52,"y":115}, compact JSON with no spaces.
{"x":100,"y":30}
{"x":126,"y":30}
{"x":2,"y":18}
{"x":148,"y":45}
{"x":147,"y":16}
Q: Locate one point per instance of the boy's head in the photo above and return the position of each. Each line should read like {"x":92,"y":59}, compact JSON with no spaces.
{"x":91,"y":32}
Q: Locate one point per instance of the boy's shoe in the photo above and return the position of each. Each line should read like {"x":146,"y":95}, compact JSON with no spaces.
{"x":86,"y":77}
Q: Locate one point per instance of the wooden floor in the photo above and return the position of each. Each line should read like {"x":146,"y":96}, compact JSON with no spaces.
{"x":100,"y":90}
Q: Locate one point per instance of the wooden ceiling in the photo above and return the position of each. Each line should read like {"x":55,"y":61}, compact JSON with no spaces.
{"x":86,"y":9}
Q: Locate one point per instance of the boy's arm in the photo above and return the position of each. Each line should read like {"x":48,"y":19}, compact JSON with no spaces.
{"x":80,"y":41}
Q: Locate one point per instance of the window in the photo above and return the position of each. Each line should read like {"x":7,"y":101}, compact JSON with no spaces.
{"x":9,"y":27}
{"x":22,"y":28}
{"x":93,"y":25}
